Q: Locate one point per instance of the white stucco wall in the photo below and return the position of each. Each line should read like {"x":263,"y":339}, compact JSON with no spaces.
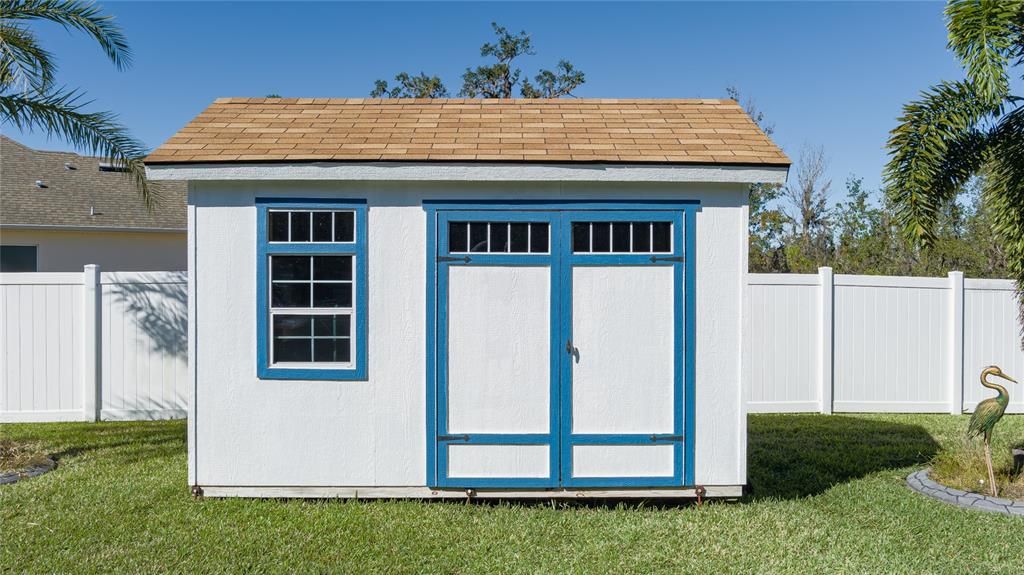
{"x":250,"y":432}
{"x":70,"y":250}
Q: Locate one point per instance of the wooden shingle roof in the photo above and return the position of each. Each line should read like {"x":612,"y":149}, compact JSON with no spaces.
{"x":470,"y":130}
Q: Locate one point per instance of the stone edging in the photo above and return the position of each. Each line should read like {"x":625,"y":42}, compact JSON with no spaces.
{"x":921,"y":483}
{"x":15,"y":476}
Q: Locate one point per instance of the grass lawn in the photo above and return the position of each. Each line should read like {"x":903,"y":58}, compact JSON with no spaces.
{"x":828,"y":496}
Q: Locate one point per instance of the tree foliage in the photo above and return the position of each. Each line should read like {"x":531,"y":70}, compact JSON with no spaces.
{"x":497,"y":80}
{"x":30,"y":100}
{"x":974,"y":127}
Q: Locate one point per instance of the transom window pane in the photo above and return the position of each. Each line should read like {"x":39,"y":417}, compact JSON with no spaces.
{"x":499,"y":237}
{"x":621,"y":237}
{"x":317,"y":226}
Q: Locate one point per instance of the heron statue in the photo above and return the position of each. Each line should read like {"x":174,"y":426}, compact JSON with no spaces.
{"x":987,"y":414}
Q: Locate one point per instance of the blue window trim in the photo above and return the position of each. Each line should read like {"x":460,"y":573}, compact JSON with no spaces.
{"x":684,"y":241}
{"x":265,"y":249}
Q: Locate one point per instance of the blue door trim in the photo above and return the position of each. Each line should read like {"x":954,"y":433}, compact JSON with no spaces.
{"x":560,"y":439}
{"x":441,"y":362}
{"x":679,"y":437}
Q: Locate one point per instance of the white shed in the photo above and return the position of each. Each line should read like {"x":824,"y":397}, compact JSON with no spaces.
{"x":492,"y":298}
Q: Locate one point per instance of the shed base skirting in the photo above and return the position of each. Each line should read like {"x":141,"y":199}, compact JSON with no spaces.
{"x":711,"y":491}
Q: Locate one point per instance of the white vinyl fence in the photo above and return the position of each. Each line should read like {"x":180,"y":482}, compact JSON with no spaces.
{"x":847,"y":343}
{"x":89,"y":346}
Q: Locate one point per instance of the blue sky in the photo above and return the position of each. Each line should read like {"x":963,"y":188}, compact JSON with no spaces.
{"x":829,"y":74}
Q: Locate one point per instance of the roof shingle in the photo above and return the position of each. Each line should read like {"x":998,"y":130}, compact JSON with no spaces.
{"x":467,"y":130}
{"x":78,"y":194}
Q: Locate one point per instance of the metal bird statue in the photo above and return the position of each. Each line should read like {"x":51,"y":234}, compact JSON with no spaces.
{"x":987,"y":414}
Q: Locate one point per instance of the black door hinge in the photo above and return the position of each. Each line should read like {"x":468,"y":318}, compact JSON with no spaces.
{"x":453,"y":259}
{"x":666,"y":438}
{"x":655,"y":259}
{"x":453,"y":438}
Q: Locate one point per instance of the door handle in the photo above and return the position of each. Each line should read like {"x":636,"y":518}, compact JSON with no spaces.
{"x":573,"y":351}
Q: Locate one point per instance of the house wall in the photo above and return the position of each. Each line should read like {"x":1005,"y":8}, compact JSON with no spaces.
{"x":69,"y":251}
{"x":250,"y":432}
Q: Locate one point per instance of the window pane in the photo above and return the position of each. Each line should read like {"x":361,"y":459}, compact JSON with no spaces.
{"x":581,"y":237}
{"x":322,"y":226}
{"x":641,"y":236}
{"x":478,"y":237}
{"x":344,"y":226}
{"x":293,"y":325}
{"x":332,"y":267}
{"x":539,"y":238}
{"x":602,"y":240}
{"x":16,"y":259}
{"x":457,"y":239}
{"x":332,"y":295}
{"x":662,"y":237}
{"x":278,"y":226}
{"x":620,"y":237}
{"x":499,"y":237}
{"x":291,"y":350}
{"x":300,"y":226}
{"x":289,"y":295}
{"x":332,"y":325}
{"x":289,"y":267}
{"x":520,"y":237}
{"x":332,"y":350}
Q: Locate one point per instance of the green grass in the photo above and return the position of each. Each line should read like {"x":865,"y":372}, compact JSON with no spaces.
{"x":828,"y":496}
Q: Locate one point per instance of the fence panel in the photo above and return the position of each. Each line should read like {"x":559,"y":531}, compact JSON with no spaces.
{"x":897,"y":344}
{"x":991,"y":336}
{"x":891,"y":341}
{"x":143,"y":346}
{"x":87,"y":346}
{"x":784,"y":319}
{"x":41,"y":342}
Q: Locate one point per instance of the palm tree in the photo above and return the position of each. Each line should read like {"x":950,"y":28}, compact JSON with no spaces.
{"x":971,"y":128}
{"x":30,"y":100}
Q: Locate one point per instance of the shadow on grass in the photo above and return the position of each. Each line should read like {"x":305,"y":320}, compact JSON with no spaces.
{"x":793,"y":456}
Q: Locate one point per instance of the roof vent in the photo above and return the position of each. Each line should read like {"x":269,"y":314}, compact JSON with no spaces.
{"x":70,"y":166}
{"x":41,"y":184}
{"x":108,"y":167}
{"x":93,"y":212}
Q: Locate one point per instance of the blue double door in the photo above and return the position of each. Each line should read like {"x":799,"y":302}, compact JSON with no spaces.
{"x":561,"y":355}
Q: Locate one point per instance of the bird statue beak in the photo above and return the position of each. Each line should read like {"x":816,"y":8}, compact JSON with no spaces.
{"x":1008,"y":378}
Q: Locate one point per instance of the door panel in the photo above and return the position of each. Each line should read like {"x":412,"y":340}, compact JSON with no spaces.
{"x":497,"y":368}
{"x":622,"y":380}
{"x":496,"y":461}
{"x":499,"y":349}
{"x":622,"y":376}
{"x":622,"y":460}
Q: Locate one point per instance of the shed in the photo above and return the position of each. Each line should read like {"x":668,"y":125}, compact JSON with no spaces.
{"x":492,"y":298}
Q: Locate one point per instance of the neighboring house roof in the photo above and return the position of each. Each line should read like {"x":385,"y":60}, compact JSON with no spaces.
{"x":78,"y":193}
{"x":471,"y":130}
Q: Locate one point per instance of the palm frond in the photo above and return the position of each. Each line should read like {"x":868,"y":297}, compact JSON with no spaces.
{"x":921,"y":174}
{"x":981,"y":35}
{"x":1004,"y":190}
{"x":24,"y":64}
{"x":60,"y":113}
{"x":74,"y":14}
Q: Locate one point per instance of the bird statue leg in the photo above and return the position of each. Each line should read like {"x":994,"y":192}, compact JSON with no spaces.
{"x":991,"y":475}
